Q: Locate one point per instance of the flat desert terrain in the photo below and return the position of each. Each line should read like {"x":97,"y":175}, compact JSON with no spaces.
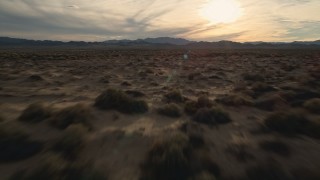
{"x":148,"y":114}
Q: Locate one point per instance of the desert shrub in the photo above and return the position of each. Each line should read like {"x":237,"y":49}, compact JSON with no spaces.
{"x":170,"y":110}
{"x":72,"y":142}
{"x":234,"y":100}
{"x":305,"y":174}
{"x":240,"y":151}
{"x":168,"y":158}
{"x":15,"y":145}
{"x":35,"y":113}
{"x":134,"y":93}
{"x":54,"y":167}
{"x":260,"y":88}
{"x":275,"y":146}
{"x":78,"y":114}
{"x":35,"y":77}
{"x":287,"y":122}
{"x":299,"y":96}
{"x":191,"y":107}
{"x":204,"y":176}
{"x":252,"y":77}
{"x":118,"y":100}
{"x":173,"y":157}
{"x":312,"y":129}
{"x":204,"y":101}
{"x":211,"y":116}
{"x":194,"y":132}
{"x":269,"y":102}
{"x":174,"y":96}
{"x":267,"y":171}
{"x":313,"y":105}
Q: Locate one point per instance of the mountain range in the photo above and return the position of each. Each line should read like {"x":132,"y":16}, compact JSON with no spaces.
{"x":161,"y":41}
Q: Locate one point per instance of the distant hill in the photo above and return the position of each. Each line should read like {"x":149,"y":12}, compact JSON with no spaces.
{"x":161,"y":42}
{"x":168,"y":40}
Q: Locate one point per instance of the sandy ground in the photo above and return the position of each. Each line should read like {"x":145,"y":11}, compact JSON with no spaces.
{"x":119,"y":142}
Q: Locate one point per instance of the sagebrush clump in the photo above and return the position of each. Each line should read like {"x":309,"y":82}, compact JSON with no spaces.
{"x":112,"y":99}
{"x":16,"y":145}
{"x":174,"y":96}
{"x":235,"y":100}
{"x":292,"y":123}
{"x":313,"y":105}
{"x":211,"y":116}
{"x":173,"y":157}
{"x":72,"y":142}
{"x":170,"y":110}
{"x":35,"y":113}
{"x":191,"y":107}
{"x":77,"y":114}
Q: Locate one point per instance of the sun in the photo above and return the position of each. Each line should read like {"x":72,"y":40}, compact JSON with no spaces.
{"x":221,"y":11}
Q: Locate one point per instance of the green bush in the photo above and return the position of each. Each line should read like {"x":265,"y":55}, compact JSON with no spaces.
{"x":118,"y":100}
{"x":78,"y":114}
{"x":211,"y":116}
{"x":15,"y":145}
{"x":313,"y":105}
{"x":170,"y":110}
{"x":35,"y":113}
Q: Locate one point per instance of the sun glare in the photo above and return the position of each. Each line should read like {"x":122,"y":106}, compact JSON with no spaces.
{"x":221,"y":11}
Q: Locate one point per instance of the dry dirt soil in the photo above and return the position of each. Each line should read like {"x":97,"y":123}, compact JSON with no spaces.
{"x":270,"y":99}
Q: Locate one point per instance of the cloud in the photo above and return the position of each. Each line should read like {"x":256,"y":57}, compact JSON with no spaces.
{"x":269,"y":20}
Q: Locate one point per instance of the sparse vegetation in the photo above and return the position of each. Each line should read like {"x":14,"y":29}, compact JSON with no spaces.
{"x":313,"y":105}
{"x":15,"y":145}
{"x":260,"y":88}
{"x":269,"y":102}
{"x":53,"y":167}
{"x":235,"y":100}
{"x":118,"y":100}
{"x":78,"y":114}
{"x":275,"y":146}
{"x":267,"y":171}
{"x":211,"y":116}
{"x":173,"y":158}
{"x":168,"y":159}
{"x":170,"y":110}
{"x":35,"y":113}
{"x":72,"y":142}
{"x":292,"y":123}
{"x":174,"y":97}
{"x":191,"y":107}
{"x":252,"y":77}
{"x":134,"y":93}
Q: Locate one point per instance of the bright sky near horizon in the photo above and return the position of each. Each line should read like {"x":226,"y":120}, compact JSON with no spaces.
{"x":207,"y":20}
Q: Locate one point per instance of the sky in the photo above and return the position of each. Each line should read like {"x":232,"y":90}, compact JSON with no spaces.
{"x":200,"y":20}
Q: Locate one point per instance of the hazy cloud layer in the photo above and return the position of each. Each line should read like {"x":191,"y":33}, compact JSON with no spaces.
{"x":97,"y":20}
